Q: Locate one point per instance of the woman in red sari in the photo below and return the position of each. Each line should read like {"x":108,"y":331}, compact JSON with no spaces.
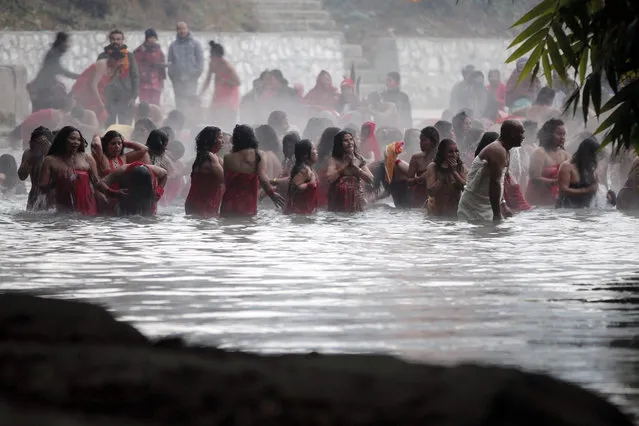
{"x":108,"y":152}
{"x":73,"y":174}
{"x":345,"y":174}
{"x":88,"y":90}
{"x":324,"y":150}
{"x":369,"y":148}
{"x":207,"y":175}
{"x":244,"y":171}
{"x":302,"y":187}
{"x":152,"y":67}
{"x":225,"y":104}
{"x":543,"y":186}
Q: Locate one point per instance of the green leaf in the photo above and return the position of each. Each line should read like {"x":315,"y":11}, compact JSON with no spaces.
{"x":557,"y":59}
{"x":564,"y":43}
{"x":585,"y":100}
{"x":538,"y":25}
{"x":533,"y":63}
{"x":572,"y":99}
{"x":583,"y":66}
{"x":547,"y":67}
{"x":528,"y":45}
{"x":574,"y":26}
{"x":595,"y":92}
{"x":543,"y":8}
{"x":611,"y":119}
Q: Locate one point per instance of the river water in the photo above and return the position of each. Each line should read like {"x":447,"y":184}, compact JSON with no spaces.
{"x":548,"y":290}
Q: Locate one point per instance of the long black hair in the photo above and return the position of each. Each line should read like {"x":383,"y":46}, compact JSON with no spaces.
{"x":244,"y":138}
{"x":289,"y":144}
{"x":204,"y":143}
{"x":440,"y":155}
{"x":157,"y":142}
{"x":108,"y":137}
{"x":585,"y":159}
{"x":59,"y":145}
{"x":486,"y":139}
{"x":338,"y":144}
{"x":268,"y":138}
{"x":325,"y":146}
{"x":303,"y":152}
{"x":140,"y":197}
{"x":546,"y":134}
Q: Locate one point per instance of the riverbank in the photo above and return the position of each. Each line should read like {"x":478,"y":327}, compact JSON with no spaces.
{"x":65,"y":361}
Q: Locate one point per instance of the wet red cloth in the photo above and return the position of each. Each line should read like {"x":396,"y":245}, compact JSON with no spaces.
{"x":370,"y":144}
{"x":322,"y":190}
{"x":84,"y":95}
{"x":302,"y":202}
{"x":113,"y":165}
{"x":225,"y":97}
{"x":512,"y":194}
{"x":545,"y":195}
{"x":76,"y":194}
{"x":174,"y":187}
{"x":205,"y":195}
{"x":240,"y":194}
{"x":345,"y":195}
{"x":159,"y":191}
{"x":49,"y":118}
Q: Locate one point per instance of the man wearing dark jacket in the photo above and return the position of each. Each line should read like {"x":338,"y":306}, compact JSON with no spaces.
{"x":186,"y":64}
{"x":394,"y":95}
{"x":124,"y":87}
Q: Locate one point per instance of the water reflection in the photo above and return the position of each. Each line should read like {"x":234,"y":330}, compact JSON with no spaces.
{"x":549,"y":290}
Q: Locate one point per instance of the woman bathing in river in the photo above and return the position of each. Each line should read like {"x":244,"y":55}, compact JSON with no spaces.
{"x":578,"y":181}
{"x":428,"y":141}
{"x":108,"y":152}
{"x":392,"y":174}
{"x":140,"y":187}
{"x":31,"y":164}
{"x":73,"y":174}
{"x":345,"y":174}
{"x":445,"y":180}
{"x":207,"y":175}
{"x":303,"y":183}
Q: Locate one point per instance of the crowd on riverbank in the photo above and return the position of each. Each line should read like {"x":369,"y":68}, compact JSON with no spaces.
{"x":500,"y":149}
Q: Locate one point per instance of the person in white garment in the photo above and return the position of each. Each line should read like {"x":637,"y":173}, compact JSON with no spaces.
{"x":483,"y":196}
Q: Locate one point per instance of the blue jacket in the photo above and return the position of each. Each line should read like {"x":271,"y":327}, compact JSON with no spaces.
{"x":186,"y":59}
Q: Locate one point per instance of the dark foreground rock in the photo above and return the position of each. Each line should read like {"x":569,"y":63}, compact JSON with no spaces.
{"x":70,"y":374}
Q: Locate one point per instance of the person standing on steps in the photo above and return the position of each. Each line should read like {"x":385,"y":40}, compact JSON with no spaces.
{"x":123,"y":88}
{"x":186,"y":65}
{"x":394,"y":95}
{"x":151,"y":63}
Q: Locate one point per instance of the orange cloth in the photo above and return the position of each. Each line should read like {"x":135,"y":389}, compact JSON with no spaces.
{"x":391,"y":153}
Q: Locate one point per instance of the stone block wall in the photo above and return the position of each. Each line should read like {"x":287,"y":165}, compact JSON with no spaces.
{"x":430,"y":67}
{"x":300,"y":56}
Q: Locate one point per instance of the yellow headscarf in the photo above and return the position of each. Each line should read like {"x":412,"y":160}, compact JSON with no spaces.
{"x":391,"y":152}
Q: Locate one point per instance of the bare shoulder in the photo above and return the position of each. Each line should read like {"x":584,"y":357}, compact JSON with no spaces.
{"x":431,"y":167}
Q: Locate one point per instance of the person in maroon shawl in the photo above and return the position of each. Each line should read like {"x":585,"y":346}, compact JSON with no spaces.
{"x":346,"y":172}
{"x":207,"y":175}
{"x":324,"y":96}
{"x":152,"y":68}
{"x":244,"y":171}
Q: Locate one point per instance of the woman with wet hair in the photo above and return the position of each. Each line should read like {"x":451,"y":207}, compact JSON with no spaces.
{"x":225,"y":103}
{"x":244,"y":171}
{"x":289,"y":142}
{"x":346,"y":172}
{"x":578,"y":181}
{"x":272,"y":147}
{"x":141,"y":186}
{"x":73,"y":174}
{"x":418,"y":165}
{"x":302,"y":186}
{"x":31,"y":165}
{"x":445,"y":180}
{"x":207,"y":175}
{"x":108,"y":152}
{"x":324,"y":150}
{"x":545,"y":161}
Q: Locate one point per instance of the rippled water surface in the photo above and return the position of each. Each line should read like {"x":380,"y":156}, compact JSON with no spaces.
{"x":550,"y":290}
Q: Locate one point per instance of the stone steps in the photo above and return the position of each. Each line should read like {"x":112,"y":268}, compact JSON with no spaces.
{"x":291,"y":15}
{"x":292,"y":26}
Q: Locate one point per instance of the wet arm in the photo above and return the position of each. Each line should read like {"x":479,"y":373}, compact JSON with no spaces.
{"x":301,"y":181}
{"x":45,"y":175}
{"x":412,"y":169}
{"x":333,"y":171}
{"x":138,"y":153}
{"x":496,"y":165}
{"x":25,"y":165}
{"x":564,"y":182}
{"x":433,"y":184}
{"x":98,"y":155}
{"x":218,"y":170}
{"x":365,"y":174}
{"x":460,"y":177}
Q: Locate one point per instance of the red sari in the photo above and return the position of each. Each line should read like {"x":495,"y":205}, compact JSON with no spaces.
{"x":226,"y":100}
{"x":302,"y":202}
{"x":240,"y":194}
{"x":84,"y":95}
{"x":345,"y":195}
{"x":157,"y":189}
{"x":512,"y":194}
{"x":370,"y":145}
{"x":538,"y":195}
{"x":75,"y":194}
{"x":205,"y":196}
{"x":113,"y":165}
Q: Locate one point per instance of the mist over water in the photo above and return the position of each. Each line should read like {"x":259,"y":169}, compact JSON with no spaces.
{"x":551,"y":290}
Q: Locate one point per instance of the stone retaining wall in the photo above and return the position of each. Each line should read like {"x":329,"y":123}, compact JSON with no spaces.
{"x":300,"y":56}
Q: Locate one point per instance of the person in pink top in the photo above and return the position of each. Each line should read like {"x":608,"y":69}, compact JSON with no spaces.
{"x":497,"y":88}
